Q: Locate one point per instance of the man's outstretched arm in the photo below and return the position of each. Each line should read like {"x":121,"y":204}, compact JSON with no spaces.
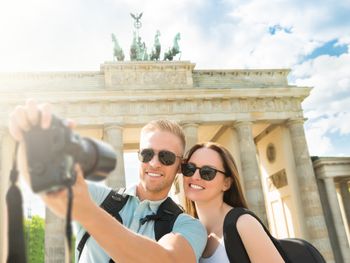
{"x":120,"y":243}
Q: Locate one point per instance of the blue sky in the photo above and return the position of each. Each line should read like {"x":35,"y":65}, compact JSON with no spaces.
{"x":310,"y":37}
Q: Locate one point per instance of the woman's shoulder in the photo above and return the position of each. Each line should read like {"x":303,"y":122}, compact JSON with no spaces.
{"x":244,"y":220}
{"x":247,"y":222}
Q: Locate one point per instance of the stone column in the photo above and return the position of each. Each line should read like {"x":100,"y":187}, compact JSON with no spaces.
{"x":191,"y":134}
{"x":55,"y":251}
{"x":3,"y":188}
{"x":345,"y":196}
{"x":337,"y":219}
{"x":250,"y":169}
{"x":113,"y":134}
{"x":316,"y":230}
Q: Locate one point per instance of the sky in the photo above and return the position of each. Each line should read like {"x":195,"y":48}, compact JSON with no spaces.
{"x":310,"y":37}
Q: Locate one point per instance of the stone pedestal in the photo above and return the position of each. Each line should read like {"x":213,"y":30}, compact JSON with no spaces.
{"x":55,"y":251}
{"x":113,"y":134}
{"x":316,"y":230}
{"x":250,"y":169}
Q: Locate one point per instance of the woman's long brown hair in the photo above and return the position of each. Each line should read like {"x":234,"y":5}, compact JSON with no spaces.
{"x":232,"y":196}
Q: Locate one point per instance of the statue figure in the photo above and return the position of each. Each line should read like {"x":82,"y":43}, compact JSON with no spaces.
{"x":155,"y":53}
{"x":137,"y":17}
{"x":172,"y":52}
{"x":117,"y":50}
{"x":140,"y":49}
{"x":145,"y":54}
{"x":133,"y":49}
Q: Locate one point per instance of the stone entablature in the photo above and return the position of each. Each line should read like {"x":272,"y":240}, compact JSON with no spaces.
{"x":257,"y":78}
{"x":143,"y":75}
{"x":148,"y":75}
{"x":117,"y":93}
{"x":331,"y":167}
{"x":88,"y":108}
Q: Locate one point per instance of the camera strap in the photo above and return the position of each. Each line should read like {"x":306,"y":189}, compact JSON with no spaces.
{"x":69,"y":222}
{"x":16,"y":245}
{"x":14,"y":201}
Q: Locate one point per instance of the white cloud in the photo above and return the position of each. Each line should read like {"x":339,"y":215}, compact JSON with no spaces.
{"x":327,"y":106}
{"x":318,"y":143}
{"x":76,"y":35}
{"x":331,"y":81}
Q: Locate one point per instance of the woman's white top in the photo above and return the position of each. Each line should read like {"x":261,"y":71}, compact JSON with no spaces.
{"x":219,"y":255}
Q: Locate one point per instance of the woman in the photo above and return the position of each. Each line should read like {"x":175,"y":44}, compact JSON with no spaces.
{"x":212,"y":187}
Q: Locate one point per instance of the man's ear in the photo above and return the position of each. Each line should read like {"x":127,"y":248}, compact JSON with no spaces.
{"x":179,"y":168}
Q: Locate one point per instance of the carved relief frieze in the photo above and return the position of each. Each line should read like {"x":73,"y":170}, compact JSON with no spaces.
{"x":179,"y":105}
{"x":145,"y":76}
{"x":136,"y":78}
{"x":226,"y":105}
{"x":243,"y":105}
{"x":268,"y":105}
{"x":186,"y":106}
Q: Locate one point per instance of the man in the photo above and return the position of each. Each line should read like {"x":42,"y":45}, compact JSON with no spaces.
{"x":132,"y":241}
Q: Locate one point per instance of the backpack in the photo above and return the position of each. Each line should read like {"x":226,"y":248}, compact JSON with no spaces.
{"x":164,"y":219}
{"x":292,"y":250}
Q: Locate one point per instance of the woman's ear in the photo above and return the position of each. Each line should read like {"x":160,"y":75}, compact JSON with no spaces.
{"x":227,"y":183}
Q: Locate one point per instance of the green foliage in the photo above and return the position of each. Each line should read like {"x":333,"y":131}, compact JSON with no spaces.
{"x":34,"y":229}
{"x":34,"y":234}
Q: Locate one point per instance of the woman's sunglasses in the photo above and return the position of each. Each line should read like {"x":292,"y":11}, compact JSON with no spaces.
{"x":206,"y":172}
{"x":165,"y":157}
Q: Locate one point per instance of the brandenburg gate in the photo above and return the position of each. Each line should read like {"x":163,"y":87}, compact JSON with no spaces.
{"x":256,"y":114}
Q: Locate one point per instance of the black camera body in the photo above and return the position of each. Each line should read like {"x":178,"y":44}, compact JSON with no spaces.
{"x":51,"y":154}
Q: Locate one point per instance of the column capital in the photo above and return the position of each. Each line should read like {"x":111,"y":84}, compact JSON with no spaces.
{"x":185,"y":124}
{"x":112,"y":126}
{"x":291,"y":122}
{"x":238,"y":124}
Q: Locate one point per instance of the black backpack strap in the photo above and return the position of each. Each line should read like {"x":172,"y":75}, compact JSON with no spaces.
{"x":166,"y":215}
{"x":233,"y":243}
{"x":232,"y":238}
{"x":112,"y":204}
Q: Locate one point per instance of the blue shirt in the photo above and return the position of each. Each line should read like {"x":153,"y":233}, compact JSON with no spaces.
{"x":191,"y":229}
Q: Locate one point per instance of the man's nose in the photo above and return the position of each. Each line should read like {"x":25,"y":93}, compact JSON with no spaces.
{"x":154,"y":162}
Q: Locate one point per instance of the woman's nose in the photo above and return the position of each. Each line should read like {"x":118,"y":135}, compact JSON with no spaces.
{"x":196,"y":175}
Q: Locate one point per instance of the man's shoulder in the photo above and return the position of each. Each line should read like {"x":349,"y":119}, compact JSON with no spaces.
{"x":98,"y":192}
{"x":186,"y":221}
{"x":193,"y":231}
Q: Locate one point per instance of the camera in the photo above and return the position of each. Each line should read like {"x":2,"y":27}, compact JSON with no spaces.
{"x":51,"y":154}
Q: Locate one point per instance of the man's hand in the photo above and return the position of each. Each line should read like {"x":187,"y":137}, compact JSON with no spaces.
{"x":28,"y":115}
{"x":22,"y":119}
{"x":57,"y":201}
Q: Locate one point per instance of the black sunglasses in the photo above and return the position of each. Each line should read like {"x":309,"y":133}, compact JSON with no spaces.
{"x":164,"y":156}
{"x":206,"y":172}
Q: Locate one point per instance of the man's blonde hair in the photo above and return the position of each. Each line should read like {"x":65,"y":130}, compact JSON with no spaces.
{"x":166,"y":125}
